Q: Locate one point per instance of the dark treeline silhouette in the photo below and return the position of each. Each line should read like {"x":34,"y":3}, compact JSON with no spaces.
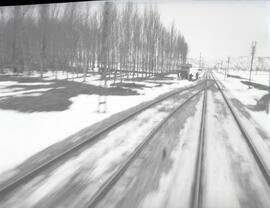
{"x":118,"y":39}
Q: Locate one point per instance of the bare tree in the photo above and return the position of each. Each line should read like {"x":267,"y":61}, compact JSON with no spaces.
{"x":72,"y":38}
{"x":43,"y":23}
{"x":2,"y":25}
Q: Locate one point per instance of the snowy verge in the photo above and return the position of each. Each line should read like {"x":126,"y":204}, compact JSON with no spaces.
{"x":249,"y":98}
{"x":25,"y":134}
{"x":255,"y":123}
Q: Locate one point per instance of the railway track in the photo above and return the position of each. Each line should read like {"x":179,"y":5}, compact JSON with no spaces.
{"x":197,"y":191}
{"x":196,"y":196}
{"x":107,"y":186}
{"x":16,"y":182}
{"x":260,"y":161}
{"x":197,"y":188}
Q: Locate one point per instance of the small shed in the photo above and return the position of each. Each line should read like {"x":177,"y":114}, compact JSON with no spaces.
{"x":185,"y":70}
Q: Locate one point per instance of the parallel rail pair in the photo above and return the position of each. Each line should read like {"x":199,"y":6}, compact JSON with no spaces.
{"x":197,"y":192}
{"x":18,"y":181}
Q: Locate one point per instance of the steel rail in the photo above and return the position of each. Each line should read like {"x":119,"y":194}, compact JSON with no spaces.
{"x":7,"y":188}
{"x":196,"y":197}
{"x":107,"y":186}
{"x":262,"y":166}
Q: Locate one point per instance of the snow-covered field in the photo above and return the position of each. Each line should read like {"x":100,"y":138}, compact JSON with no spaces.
{"x":233,"y":177}
{"x":250,"y":98}
{"x":163,"y":171}
{"x":260,"y":77}
{"x":90,"y":168}
{"x":23,"y":134}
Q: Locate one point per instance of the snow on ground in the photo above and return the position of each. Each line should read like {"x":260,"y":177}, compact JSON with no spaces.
{"x":4,"y":94}
{"x":256,"y":123}
{"x":178,"y":181}
{"x":217,"y":179}
{"x":159,"y":165}
{"x":248,"y":97}
{"x":261,"y":77}
{"x":88,"y":170}
{"x":24,"y":134}
{"x":238,"y":181}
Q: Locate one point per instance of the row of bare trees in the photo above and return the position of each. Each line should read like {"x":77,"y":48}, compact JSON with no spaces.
{"x":118,"y":39}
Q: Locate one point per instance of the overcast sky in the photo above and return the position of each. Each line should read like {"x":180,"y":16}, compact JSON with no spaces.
{"x":217,"y":28}
{"x":220,"y":28}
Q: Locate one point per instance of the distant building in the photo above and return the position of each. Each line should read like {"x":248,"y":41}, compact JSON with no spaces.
{"x":184,"y":71}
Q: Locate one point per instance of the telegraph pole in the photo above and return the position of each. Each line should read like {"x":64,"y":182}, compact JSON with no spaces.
{"x":225,"y":70}
{"x":202,"y":64}
{"x":268,"y":108}
{"x":228,"y":61}
{"x":200,"y":59}
{"x":221,"y":65}
{"x":253,"y":48}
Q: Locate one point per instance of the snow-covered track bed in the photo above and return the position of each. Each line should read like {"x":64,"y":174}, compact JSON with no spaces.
{"x":9,"y":189}
{"x":107,"y":186}
{"x":196,"y":199}
{"x":248,"y":139}
{"x":234,"y":173}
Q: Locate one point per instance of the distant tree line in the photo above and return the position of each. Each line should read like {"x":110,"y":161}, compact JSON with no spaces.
{"x":120,"y":40}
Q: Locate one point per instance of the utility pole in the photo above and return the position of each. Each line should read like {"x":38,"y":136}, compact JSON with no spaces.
{"x":225,"y":70}
{"x":268,"y":108}
{"x":228,"y":67}
{"x":200,"y":59}
{"x":253,"y":48}
{"x":202,"y":64}
{"x":221,"y":65}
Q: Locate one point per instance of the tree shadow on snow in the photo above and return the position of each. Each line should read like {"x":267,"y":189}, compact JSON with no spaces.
{"x":236,"y":76}
{"x":55,"y":99}
{"x":261,"y":105}
{"x":130,"y":85}
{"x":21,"y":79}
{"x":157,"y":78}
{"x":241,"y":107}
{"x":256,"y":85}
